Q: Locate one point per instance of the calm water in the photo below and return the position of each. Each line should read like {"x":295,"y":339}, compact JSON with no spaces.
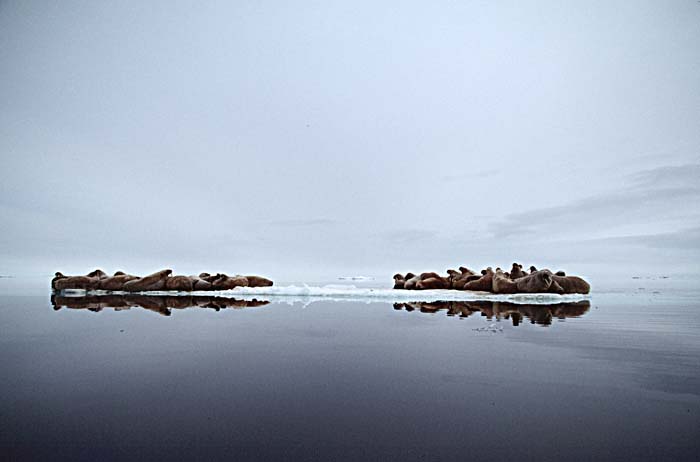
{"x":616,"y":379}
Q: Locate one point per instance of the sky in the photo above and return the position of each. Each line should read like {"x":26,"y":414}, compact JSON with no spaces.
{"x":310,"y":140}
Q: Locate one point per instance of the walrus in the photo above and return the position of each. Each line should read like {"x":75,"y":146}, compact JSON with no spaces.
{"x":560,"y":273}
{"x":538,"y":282}
{"x":208,"y":277}
{"x":399,"y":281}
{"x":180,"y":283}
{"x":258,"y":281}
{"x":411,"y":280}
{"x":225,"y":282}
{"x":571,"y":284}
{"x":98,"y":273}
{"x":517,"y":271}
{"x":155,"y":281}
{"x":533,"y":270}
{"x":457,"y":280}
{"x":76,"y":282}
{"x":432,"y":281}
{"x":484,"y":283}
{"x":200,"y":284}
{"x":116,"y":282}
{"x":502,"y":284}
{"x":57,"y":277}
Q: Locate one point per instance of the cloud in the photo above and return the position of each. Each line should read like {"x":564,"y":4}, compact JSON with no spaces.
{"x":403,"y":236}
{"x":303,"y":222}
{"x":660,"y":200}
{"x":478,"y":174}
{"x":687,"y":240}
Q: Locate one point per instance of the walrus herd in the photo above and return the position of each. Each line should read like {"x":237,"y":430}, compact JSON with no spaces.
{"x":498,"y":282}
{"x":160,"y":281}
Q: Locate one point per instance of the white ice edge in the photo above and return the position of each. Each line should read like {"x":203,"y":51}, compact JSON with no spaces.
{"x":307,"y":294}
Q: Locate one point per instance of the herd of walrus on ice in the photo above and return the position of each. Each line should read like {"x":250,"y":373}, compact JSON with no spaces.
{"x":514,"y":281}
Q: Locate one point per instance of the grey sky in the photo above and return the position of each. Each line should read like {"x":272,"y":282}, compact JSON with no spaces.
{"x":306,"y":139}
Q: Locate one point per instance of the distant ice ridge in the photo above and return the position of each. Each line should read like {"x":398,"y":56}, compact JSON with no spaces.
{"x":352,"y":293}
{"x":356,"y":278}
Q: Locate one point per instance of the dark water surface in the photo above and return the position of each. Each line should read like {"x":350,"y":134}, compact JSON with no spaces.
{"x":618,"y":379}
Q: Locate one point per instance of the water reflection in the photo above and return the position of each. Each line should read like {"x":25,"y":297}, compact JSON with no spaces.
{"x":159,"y":304}
{"x":536,"y":313}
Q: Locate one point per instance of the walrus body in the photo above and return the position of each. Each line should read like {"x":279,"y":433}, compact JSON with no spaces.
{"x":200,"y":284}
{"x":57,"y":277}
{"x":116,"y":282}
{"x":502,"y":284}
{"x":484,"y":283}
{"x":76,"y":282}
{"x":180,"y":283}
{"x":258,"y":281}
{"x":516,"y":272}
{"x":155,"y":281}
{"x":224,"y":282}
{"x":571,"y":284}
{"x":98,"y":274}
{"x":411,"y":281}
{"x":538,"y":282}
{"x":433,"y":283}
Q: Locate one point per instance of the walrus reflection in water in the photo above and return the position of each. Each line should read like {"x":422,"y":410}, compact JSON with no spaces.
{"x":537,"y":314}
{"x":159,"y":304}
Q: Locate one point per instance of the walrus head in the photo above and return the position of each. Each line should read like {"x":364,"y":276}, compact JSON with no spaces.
{"x":59,"y":274}
{"x":98,"y":273}
{"x":410,"y":276}
{"x":533,"y":269}
{"x":119,"y":273}
{"x":545,"y":277}
{"x":398,"y":277}
{"x":452,"y":272}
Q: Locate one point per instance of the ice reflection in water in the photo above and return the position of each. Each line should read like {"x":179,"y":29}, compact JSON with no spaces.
{"x":537,"y":313}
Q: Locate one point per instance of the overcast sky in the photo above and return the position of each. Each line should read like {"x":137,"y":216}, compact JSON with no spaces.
{"x":307,"y":139}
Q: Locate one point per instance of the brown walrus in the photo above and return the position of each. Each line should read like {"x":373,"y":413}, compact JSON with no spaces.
{"x":502,"y":284}
{"x":484,"y":283}
{"x":571,"y":284}
{"x":98,"y":273}
{"x":180,"y":283}
{"x":258,"y":281}
{"x":76,"y":282}
{"x":517,"y":271}
{"x":399,"y":281}
{"x":57,"y":277}
{"x":155,"y":281}
{"x":116,"y":282}
{"x":200,"y":284}
{"x":411,"y":281}
{"x":208,"y":277}
{"x":432,"y":281}
{"x":538,"y":282}
{"x":225,"y":282}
